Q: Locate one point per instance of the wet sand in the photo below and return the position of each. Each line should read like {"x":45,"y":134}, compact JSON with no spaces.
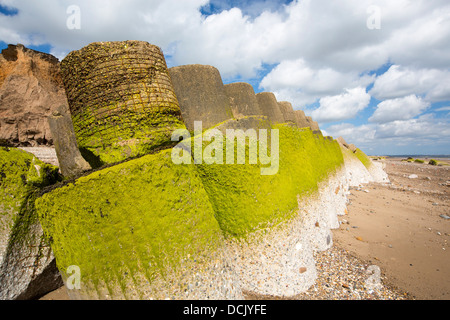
{"x":399,"y":228}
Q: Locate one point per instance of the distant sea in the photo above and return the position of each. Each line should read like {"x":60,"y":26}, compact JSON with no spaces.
{"x":420,"y":156}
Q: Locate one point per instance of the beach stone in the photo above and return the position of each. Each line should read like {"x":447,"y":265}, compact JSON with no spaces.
{"x":121,"y":100}
{"x":71,"y":162}
{"x":269,"y":107}
{"x":31,"y":88}
{"x":413,"y":176}
{"x":242,"y":100}
{"x":201,"y":95}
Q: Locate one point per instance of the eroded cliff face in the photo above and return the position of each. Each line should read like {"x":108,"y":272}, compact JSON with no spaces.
{"x":30,"y":89}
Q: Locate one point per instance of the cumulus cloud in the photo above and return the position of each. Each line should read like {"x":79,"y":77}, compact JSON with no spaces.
{"x":326,"y":34}
{"x":425,"y":135}
{"x":343,"y":106}
{"x":399,"y":109}
{"x":296,"y":81}
{"x":401,"y":81}
{"x":323,"y":51}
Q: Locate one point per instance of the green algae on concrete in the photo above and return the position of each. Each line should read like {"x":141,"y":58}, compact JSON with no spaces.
{"x":363,"y":158}
{"x":146,"y":218}
{"x":245,"y":201}
{"x":24,"y":254}
{"x":21,"y":176}
{"x":121,"y":100}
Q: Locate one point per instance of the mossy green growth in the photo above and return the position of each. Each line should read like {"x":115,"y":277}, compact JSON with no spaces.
{"x":245,"y":201}
{"x":22,"y":176}
{"x":139,"y":217}
{"x":108,"y":143}
{"x":419,"y":161}
{"x":363,"y":158}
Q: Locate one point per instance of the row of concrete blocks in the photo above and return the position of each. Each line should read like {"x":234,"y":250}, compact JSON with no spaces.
{"x":202,"y":96}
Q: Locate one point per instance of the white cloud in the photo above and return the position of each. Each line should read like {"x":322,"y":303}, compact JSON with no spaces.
{"x":321,"y":47}
{"x":343,"y":106}
{"x":399,"y":81}
{"x":326,"y":34}
{"x":298,"y":82}
{"x":399,"y":109}
{"x":425,"y":135}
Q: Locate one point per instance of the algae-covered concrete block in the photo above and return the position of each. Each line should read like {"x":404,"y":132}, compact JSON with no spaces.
{"x":143,"y":229}
{"x":201,"y":94}
{"x":121,"y":100}
{"x":71,"y":163}
{"x":242,"y":100}
{"x":27,"y":268}
{"x":260,"y":213}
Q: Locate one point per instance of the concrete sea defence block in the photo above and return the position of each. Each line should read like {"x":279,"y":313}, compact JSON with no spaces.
{"x":143,"y":229}
{"x":71,"y":162}
{"x":121,"y":99}
{"x":201,"y":95}
{"x":313,"y":124}
{"x":288,"y":111}
{"x":269,"y":107}
{"x":301,"y":120}
{"x":242,"y":100}
{"x":27,"y":266}
{"x":260,"y":214}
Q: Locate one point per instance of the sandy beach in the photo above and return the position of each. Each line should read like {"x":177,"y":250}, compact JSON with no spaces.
{"x":399,"y":228}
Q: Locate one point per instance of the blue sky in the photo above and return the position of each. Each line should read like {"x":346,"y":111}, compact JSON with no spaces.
{"x":376,"y":72}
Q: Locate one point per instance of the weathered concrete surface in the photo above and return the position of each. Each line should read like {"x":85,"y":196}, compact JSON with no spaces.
{"x":352,"y":148}
{"x":71,"y":163}
{"x":201,"y":95}
{"x":269,"y":107}
{"x":313,"y":124}
{"x":342,"y":142}
{"x":27,"y":268}
{"x":121,"y":99}
{"x":242,"y":100}
{"x":301,"y":120}
{"x":250,"y":122}
{"x":45,"y":154}
{"x":288,"y":111}
{"x":30,"y":89}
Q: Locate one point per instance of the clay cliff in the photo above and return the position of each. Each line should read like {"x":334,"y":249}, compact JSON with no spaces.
{"x":30,"y":89}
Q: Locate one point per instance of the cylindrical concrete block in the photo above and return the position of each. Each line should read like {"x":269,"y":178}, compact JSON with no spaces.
{"x":288,"y":111}
{"x":242,"y":100}
{"x":313,"y":124}
{"x":201,"y":94}
{"x":71,"y":163}
{"x":121,"y":99}
{"x":269,"y":107}
{"x":301,"y":120}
